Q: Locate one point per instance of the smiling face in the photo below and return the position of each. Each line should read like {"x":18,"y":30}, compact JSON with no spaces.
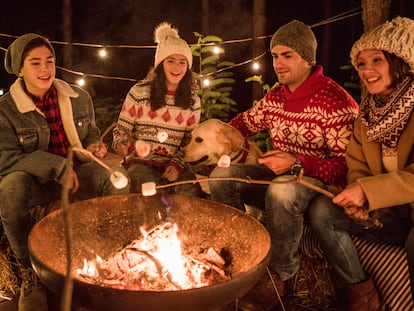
{"x":374,"y":71}
{"x":175,"y":67}
{"x":38,"y":70}
{"x":291,"y":69}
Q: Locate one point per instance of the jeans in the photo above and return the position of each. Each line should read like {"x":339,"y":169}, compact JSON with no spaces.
{"x":236,"y":193}
{"x":141,"y":173}
{"x":286,"y":204}
{"x":334,"y":229}
{"x":20,"y":191}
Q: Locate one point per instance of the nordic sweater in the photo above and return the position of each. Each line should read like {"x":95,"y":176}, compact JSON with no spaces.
{"x":138,"y":122}
{"x":314,"y":122}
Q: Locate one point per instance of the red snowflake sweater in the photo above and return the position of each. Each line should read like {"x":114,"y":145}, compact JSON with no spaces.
{"x":314,"y":122}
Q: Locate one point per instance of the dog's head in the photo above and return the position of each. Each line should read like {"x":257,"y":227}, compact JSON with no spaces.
{"x":210,"y":140}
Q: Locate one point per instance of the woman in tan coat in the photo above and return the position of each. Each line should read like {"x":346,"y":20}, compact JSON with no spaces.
{"x":380,"y":159}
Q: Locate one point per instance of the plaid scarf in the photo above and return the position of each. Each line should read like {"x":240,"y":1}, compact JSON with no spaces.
{"x":58,"y":143}
{"x":386,"y":122}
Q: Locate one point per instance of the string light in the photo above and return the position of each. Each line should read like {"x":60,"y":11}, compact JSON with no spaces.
{"x":80,"y":82}
{"x":102,"y":53}
{"x":216,"y":50}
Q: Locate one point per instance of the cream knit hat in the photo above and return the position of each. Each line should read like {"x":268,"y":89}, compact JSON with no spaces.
{"x":395,"y":36}
{"x":13,"y":57}
{"x":169,"y":42}
{"x":298,"y":37}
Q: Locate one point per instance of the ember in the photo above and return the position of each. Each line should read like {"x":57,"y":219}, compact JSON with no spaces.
{"x":155,"y":262}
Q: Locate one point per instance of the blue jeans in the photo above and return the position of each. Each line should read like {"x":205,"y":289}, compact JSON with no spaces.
{"x":284,"y":201}
{"x":236,"y":193}
{"x":286,"y":205}
{"x":20,"y":191}
{"x":140,"y":173}
{"x":334,"y":229}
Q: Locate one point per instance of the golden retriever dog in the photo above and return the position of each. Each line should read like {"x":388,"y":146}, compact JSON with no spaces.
{"x":212,"y":139}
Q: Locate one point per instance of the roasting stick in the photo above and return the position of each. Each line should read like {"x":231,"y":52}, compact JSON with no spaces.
{"x":149,"y":188}
{"x":373,"y":222}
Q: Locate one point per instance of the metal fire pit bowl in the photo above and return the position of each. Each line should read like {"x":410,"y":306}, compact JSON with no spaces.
{"x":102,"y":226}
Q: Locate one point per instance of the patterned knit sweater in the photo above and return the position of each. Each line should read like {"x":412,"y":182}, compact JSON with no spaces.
{"x":138,"y":122}
{"x":314,"y":122}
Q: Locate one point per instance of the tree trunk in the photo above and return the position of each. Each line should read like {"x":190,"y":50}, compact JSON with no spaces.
{"x":67,"y":35}
{"x":375,"y":12}
{"x":205,"y":9}
{"x":325,"y":51}
{"x":259,"y":46}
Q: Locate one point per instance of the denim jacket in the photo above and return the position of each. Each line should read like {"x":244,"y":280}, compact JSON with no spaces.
{"x":25,"y":134}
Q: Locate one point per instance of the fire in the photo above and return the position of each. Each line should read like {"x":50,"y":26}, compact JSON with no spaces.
{"x":155,"y":262}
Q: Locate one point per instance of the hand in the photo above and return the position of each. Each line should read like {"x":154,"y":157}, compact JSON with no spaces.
{"x":70,"y":180}
{"x":354,"y":201}
{"x":98,"y":149}
{"x":278,"y":161}
{"x":123,"y":148}
{"x":171,"y":173}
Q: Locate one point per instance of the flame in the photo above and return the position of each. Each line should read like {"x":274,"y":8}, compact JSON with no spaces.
{"x":155,"y":261}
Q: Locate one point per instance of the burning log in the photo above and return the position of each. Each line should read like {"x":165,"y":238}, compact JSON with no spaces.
{"x":155,"y":262}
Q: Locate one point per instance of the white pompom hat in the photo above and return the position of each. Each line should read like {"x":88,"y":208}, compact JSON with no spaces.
{"x":169,"y":42}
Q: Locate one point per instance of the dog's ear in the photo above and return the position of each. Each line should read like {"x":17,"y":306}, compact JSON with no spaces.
{"x":232,"y":135}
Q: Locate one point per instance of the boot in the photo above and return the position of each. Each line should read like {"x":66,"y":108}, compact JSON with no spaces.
{"x":263,"y":296}
{"x":33,"y":294}
{"x":363,"y":297}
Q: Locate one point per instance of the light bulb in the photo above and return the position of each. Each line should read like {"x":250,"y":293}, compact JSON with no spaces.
{"x":102,"y":53}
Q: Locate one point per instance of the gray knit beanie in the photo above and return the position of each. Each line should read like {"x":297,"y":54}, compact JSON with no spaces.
{"x":13,"y":58}
{"x":395,"y":36}
{"x":298,"y":37}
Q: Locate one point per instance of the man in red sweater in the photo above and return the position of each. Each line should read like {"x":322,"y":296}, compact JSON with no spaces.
{"x":309,"y":118}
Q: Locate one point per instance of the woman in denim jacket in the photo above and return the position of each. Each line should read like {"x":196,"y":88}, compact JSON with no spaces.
{"x":40,"y":119}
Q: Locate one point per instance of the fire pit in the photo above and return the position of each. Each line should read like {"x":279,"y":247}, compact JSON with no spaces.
{"x":104,"y":225}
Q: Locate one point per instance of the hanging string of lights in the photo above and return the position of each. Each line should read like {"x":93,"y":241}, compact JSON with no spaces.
{"x":103,"y":51}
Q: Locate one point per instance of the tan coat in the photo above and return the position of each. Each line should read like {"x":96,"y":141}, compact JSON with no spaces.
{"x":382,"y":188}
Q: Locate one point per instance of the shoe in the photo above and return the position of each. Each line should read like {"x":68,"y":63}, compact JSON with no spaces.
{"x":33,"y":294}
{"x":265,"y":294}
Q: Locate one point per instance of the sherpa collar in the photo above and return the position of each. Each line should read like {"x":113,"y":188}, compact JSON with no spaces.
{"x":25,"y":104}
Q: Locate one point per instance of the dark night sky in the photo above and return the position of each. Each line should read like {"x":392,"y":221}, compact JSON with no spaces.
{"x":131,"y":22}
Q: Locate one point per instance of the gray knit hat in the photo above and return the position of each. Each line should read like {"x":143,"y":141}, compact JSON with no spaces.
{"x":298,"y":37}
{"x":395,"y":36}
{"x":13,"y":58}
{"x":169,"y":42}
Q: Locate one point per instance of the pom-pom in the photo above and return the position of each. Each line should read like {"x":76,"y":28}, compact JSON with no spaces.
{"x":163,"y":31}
